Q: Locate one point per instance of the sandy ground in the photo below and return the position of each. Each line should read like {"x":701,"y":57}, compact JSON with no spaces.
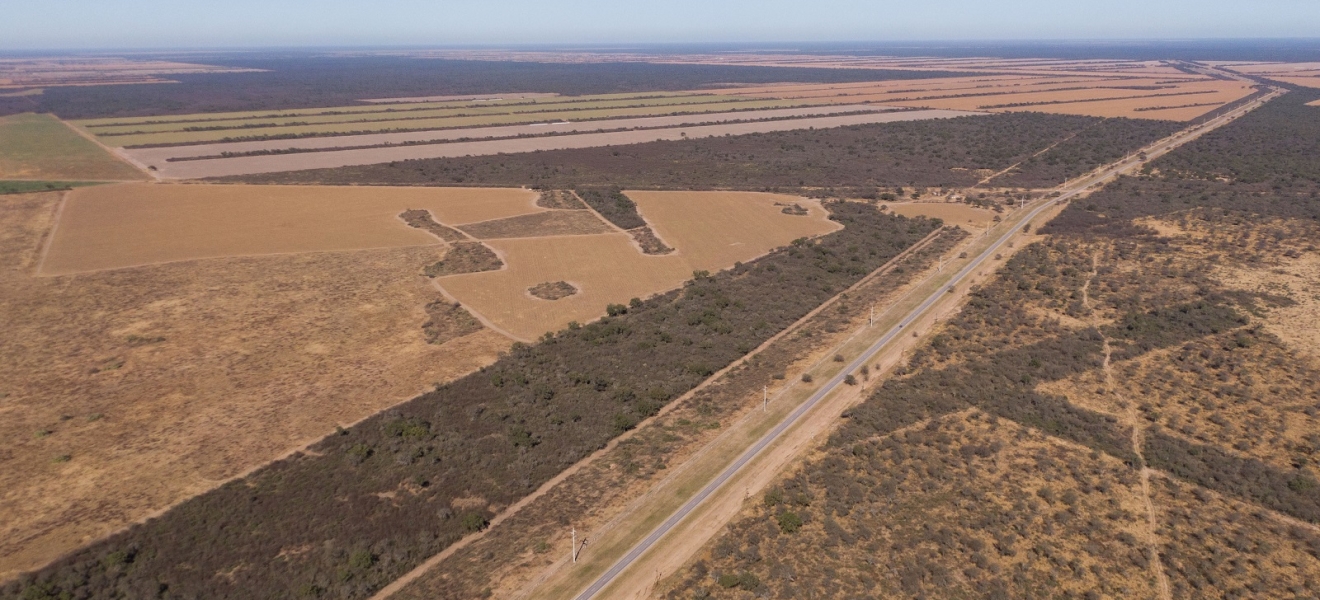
{"x":41,"y":147}
{"x":156,"y":156}
{"x":953,"y":213}
{"x":709,"y":230}
{"x":712,"y":230}
{"x":108,"y":227}
{"x":124,"y":392}
{"x":221,"y":167}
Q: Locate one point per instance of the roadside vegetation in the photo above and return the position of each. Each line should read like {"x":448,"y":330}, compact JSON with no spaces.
{"x":1110,"y":415}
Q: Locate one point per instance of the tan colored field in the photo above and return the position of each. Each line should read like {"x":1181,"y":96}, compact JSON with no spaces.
{"x":710,"y":230}
{"x":108,"y":227}
{"x":1316,"y":103}
{"x":127,"y":391}
{"x":713,"y":230}
{"x":41,"y":147}
{"x":1113,"y":96}
{"x":1302,"y":74}
{"x":953,"y":213}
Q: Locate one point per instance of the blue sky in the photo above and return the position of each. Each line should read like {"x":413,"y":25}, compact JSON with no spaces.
{"x":50,"y":24}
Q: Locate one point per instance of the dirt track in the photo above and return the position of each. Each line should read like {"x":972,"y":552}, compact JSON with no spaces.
{"x":247,"y":165}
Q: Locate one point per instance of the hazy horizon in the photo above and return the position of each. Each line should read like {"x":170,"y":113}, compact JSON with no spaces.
{"x":153,"y":24}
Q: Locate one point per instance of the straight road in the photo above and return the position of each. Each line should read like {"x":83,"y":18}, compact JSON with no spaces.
{"x":1068,"y":191}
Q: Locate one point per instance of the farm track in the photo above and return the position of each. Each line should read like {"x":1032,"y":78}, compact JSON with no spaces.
{"x":639,"y":583}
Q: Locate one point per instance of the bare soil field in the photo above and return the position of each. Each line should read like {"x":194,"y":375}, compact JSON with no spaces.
{"x":555,"y":222}
{"x":246,"y":165}
{"x":710,"y":231}
{"x":953,"y":213}
{"x":127,"y":391}
{"x":158,"y":156}
{"x":109,"y":227}
{"x":41,"y":147}
{"x":1300,"y":74}
{"x":204,"y":133}
{"x":606,"y":268}
{"x":1100,"y":97}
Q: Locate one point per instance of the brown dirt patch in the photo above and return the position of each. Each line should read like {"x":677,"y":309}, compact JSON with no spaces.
{"x":108,"y":227}
{"x":161,"y":382}
{"x":465,"y":257}
{"x":552,"y":290}
{"x":649,"y":243}
{"x":716,"y":229}
{"x":953,"y":213}
{"x":560,"y":199}
{"x":555,"y":222}
{"x":424,"y":220}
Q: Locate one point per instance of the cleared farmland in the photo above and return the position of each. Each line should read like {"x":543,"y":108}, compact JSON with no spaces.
{"x":108,"y":227}
{"x":248,"y":165}
{"x":464,"y":118}
{"x":41,"y":147}
{"x":951,"y":213}
{"x":710,"y":230}
{"x":128,"y":391}
{"x":158,"y":156}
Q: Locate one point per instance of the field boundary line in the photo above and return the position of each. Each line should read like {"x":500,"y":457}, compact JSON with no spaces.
{"x":50,"y":233}
{"x":121,"y":157}
{"x":398,"y":584}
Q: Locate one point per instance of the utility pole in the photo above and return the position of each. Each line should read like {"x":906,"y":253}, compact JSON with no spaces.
{"x":575,"y":545}
{"x":765,"y":398}
{"x":871,"y":321}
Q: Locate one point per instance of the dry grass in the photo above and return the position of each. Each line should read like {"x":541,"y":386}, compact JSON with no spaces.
{"x":963,"y":506}
{"x":953,"y":213}
{"x":41,"y":147}
{"x":160,"y":382}
{"x":556,"y":222}
{"x":1222,"y":548}
{"x":710,"y":230}
{"x":108,"y":227}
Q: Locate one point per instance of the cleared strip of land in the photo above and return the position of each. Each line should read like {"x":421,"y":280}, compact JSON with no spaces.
{"x":222,"y":167}
{"x":156,"y":156}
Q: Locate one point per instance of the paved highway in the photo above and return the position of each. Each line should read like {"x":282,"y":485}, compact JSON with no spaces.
{"x":1101,"y":176}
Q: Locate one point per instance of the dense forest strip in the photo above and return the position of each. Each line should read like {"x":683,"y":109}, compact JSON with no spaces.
{"x":369,"y":503}
{"x":595,"y":487}
{"x":917,"y":153}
